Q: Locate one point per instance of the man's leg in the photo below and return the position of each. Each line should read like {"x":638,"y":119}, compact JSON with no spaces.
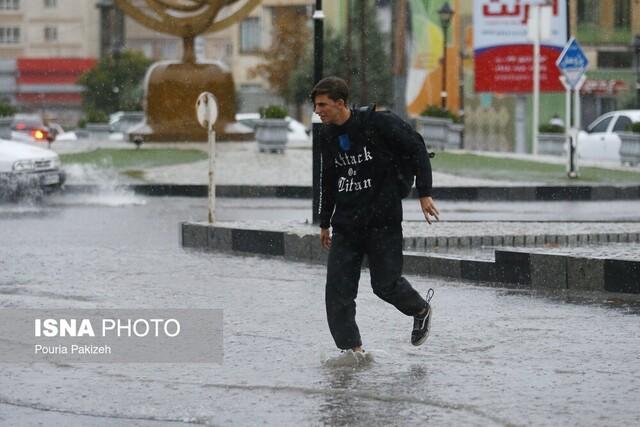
{"x":343,"y":274}
{"x":384,"y":251}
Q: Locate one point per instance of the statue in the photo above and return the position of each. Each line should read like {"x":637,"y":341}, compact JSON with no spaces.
{"x":172,"y":87}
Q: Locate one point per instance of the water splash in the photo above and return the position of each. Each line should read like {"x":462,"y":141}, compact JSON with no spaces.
{"x":350,"y":359}
{"x":106,"y":187}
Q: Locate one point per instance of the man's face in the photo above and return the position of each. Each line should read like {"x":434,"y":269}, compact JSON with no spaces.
{"x":328,"y":109}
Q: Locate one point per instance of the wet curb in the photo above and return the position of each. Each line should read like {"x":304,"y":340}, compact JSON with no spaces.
{"x":539,"y":193}
{"x":511,"y":268}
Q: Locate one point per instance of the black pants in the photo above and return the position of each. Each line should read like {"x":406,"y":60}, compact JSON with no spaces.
{"x":383,"y":248}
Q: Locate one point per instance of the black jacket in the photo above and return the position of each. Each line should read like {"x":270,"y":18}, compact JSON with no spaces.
{"x":359,"y":182}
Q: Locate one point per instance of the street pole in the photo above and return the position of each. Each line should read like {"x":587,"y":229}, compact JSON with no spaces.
{"x":443,"y":94}
{"x":399,"y":57}
{"x":636,"y":44}
{"x":536,"y":77}
{"x":445,"y":13}
{"x":364,"y":89}
{"x":572,"y":166}
{"x":318,"y":29}
{"x":348,"y":48}
{"x":568,"y":131}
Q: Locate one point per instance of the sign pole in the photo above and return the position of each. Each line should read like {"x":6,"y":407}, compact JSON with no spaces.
{"x":568,"y":131}
{"x":207,"y":114}
{"x":577,"y":116}
{"x":573,"y":64}
{"x":212,"y":168}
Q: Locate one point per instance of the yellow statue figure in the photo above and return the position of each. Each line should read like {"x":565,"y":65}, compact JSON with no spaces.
{"x":172,"y":87}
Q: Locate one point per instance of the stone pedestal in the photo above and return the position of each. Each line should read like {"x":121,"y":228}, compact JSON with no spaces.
{"x":171,"y":91}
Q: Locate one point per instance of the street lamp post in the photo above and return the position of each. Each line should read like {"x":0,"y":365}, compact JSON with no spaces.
{"x":445,"y":13}
{"x":636,"y":45}
{"x":318,"y":19}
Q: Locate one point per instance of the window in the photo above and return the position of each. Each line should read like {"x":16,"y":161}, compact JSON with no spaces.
{"x":50,"y":3}
{"x":588,"y":11}
{"x":9,"y":35}
{"x":621,"y":14}
{"x":169,"y":50}
{"x":250,"y":35}
{"x":601,"y":126}
{"x":147,"y":49}
{"x":51,"y":34}
{"x":9,"y":4}
{"x":621,"y":124}
{"x":607,"y":59}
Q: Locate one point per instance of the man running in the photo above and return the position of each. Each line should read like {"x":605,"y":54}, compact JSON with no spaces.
{"x":361,"y":201}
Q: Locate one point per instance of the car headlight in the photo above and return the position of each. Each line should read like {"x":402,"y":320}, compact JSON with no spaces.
{"x":55,"y":163}
{"x":23,"y":165}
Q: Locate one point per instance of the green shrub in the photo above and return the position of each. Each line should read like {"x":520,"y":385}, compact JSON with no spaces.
{"x":549,"y":128}
{"x":633,"y":127}
{"x":273,"y":112}
{"x":96,"y":116}
{"x":6,"y":109}
{"x":434,"y":111}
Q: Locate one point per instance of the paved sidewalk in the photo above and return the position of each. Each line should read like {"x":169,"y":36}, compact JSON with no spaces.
{"x":243,"y":164}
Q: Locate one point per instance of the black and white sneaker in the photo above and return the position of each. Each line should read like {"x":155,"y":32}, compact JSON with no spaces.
{"x":422,"y":325}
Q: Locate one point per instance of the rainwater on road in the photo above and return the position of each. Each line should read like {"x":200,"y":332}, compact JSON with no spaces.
{"x":495,"y":356}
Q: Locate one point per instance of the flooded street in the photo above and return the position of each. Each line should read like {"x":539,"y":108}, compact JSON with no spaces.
{"x":494,"y":357}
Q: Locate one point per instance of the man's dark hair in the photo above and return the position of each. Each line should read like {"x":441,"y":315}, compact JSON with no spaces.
{"x":334,"y":87}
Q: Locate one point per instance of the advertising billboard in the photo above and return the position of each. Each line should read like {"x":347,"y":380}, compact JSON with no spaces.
{"x":503,"y":52}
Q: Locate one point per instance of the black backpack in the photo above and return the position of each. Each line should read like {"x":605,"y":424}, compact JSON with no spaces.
{"x":403,"y":164}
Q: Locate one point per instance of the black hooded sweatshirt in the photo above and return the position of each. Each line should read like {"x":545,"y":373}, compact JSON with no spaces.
{"x":359,"y":181}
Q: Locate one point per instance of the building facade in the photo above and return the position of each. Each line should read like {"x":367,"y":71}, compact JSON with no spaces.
{"x":44,"y":46}
{"x":606,"y":30}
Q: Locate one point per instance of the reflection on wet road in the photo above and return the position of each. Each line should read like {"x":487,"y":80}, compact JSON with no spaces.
{"x":495,"y":356}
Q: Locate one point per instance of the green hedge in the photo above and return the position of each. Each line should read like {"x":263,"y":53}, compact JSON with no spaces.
{"x":433,"y":111}
{"x":549,"y":128}
{"x":633,"y":127}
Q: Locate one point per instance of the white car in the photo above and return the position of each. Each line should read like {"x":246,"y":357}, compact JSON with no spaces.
{"x":25,"y":168}
{"x":601,"y":141}
{"x":297,"y":135}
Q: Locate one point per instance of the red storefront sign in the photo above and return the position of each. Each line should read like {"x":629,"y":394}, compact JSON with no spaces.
{"x":50,"y":80}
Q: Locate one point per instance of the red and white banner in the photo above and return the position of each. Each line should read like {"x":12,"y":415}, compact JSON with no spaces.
{"x":503,"y":55}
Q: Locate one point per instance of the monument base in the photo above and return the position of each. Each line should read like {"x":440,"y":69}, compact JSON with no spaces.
{"x":171,"y":91}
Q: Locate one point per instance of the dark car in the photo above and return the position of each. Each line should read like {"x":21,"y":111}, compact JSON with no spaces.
{"x":30,"y":128}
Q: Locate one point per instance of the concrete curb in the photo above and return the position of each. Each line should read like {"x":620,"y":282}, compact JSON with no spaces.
{"x":510,"y":268}
{"x":542,"y":193}
{"x":516,"y":240}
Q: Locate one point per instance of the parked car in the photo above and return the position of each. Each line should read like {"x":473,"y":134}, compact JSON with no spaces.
{"x":297,"y":135}
{"x":25,"y":168}
{"x":61,"y":134}
{"x":601,"y":141}
{"x":31,"y":128}
{"x":122,"y":121}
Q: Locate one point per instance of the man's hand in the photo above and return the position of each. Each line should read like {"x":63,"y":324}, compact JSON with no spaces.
{"x":325,"y":238}
{"x":429,"y":208}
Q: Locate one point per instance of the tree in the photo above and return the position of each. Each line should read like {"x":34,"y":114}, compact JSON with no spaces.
{"x":291,"y":35}
{"x":344,"y":58}
{"x":114,"y":84}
